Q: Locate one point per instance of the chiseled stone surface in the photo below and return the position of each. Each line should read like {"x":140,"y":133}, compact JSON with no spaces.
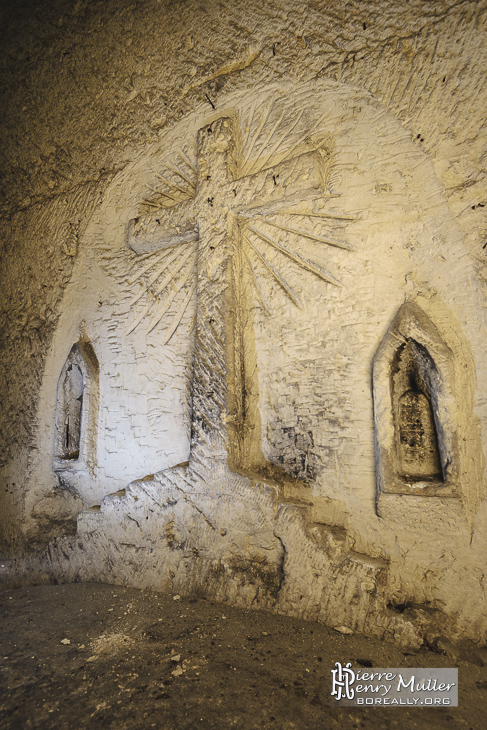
{"x":241,"y":214}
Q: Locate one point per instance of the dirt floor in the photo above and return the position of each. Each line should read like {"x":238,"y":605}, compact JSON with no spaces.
{"x":100,"y":656}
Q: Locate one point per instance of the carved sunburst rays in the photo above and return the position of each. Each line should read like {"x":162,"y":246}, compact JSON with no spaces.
{"x":167,"y":281}
{"x":273,"y":133}
{"x":177,"y":184}
{"x":167,"y":278}
{"x":268,"y":242}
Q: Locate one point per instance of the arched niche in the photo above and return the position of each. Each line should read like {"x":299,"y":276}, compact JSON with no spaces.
{"x":415,"y":391}
{"x":77,"y":410}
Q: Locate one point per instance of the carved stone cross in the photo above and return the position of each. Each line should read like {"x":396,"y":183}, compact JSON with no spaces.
{"x":222,"y":203}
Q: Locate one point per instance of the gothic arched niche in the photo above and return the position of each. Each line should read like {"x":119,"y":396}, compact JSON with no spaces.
{"x":415,"y":402}
{"x":77,"y":409}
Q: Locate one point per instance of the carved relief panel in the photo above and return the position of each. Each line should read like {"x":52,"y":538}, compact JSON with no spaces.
{"x":249,"y":257}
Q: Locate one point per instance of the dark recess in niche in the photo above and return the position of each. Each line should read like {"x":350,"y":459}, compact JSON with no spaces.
{"x":77,"y":409}
{"x":73,"y":387}
{"x":413,"y":377}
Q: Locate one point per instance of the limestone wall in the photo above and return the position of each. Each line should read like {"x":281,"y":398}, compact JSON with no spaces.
{"x":245,"y":296}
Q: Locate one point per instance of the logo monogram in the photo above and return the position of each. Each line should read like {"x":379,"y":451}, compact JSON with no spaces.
{"x":343,"y":678}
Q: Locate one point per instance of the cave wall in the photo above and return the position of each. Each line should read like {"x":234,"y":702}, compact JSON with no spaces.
{"x":314,"y":516}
